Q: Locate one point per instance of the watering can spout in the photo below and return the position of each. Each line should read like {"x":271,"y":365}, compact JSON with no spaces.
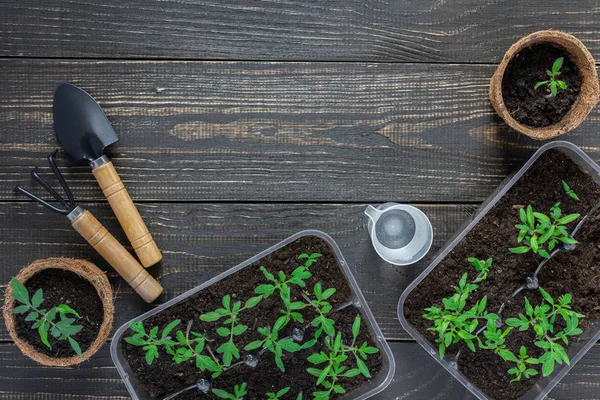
{"x":372,"y":213}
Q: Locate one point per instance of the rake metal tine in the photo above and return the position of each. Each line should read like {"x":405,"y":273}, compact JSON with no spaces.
{"x":60,"y":178}
{"x":44,"y":203}
{"x":39,"y":179}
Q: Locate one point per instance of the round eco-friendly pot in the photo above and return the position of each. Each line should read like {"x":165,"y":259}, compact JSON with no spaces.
{"x":84,"y":269}
{"x":588,"y":95}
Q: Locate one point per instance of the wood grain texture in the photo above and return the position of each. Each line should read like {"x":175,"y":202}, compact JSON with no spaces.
{"x":341,"y":30}
{"x":418,"y":377}
{"x":248,"y":132}
{"x":200,"y":241}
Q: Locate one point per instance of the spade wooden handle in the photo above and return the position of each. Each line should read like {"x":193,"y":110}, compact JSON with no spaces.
{"x":116,"y":255}
{"x":127,"y":214}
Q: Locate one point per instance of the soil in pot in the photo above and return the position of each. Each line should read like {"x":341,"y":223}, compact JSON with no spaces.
{"x":164,"y":377}
{"x":537,"y":108}
{"x":568,"y":272}
{"x":63,"y":287}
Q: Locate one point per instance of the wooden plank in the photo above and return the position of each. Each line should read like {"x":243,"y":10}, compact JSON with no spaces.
{"x":341,"y":30}
{"x":418,"y":377}
{"x":275,"y":132}
{"x":200,"y":241}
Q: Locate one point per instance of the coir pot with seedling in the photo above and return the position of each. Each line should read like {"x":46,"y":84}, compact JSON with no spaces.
{"x":59,"y":311}
{"x":545,"y":85}
{"x":511,"y":303}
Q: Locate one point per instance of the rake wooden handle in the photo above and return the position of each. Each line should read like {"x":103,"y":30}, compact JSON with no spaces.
{"x":127,"y":214}
{"x":115,"y":254}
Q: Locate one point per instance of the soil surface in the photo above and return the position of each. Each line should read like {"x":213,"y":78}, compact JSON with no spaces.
{"x":576,"y":272}
{"x":537,"y":107}
{"x":164,"y":377}
{"x":63,"y":287}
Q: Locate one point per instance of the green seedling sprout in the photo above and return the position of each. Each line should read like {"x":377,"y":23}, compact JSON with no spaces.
{"x":453,"y":323}
{"x":542,"y":319}
{"x":230,"y":312}
{"x":46,"y":321}
{"x":482,"y":266}
{"x":151,"y":341}
{"x":323,"y":307}
{"x":541,"y":233}
{"x":191,"y":345}
{"x":278,"y":395}
{"x":523,"y":362}
{"x":275,"y":345}
{"x":239,"y":391}
{"x":569,"y":191}
{"x":281,"y":284}
{"x":553,"y":83}
{"x":332,"y":371}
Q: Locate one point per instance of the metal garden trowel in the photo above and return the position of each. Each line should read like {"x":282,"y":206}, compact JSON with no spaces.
{"x":84,"y":131}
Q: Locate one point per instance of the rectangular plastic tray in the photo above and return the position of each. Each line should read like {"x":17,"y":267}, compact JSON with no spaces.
{"x":376,"y":385}
{"x":576,"y":350}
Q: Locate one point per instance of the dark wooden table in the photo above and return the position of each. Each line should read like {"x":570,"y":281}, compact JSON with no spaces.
{"x":242,"y":122}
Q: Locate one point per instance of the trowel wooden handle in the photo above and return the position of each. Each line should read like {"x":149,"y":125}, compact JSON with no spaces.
{"x":116,"y":255}
{"x":127,"y":214}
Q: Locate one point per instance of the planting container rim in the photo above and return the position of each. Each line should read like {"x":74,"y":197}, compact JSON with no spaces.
{"x":588,"y":165}
{"x":388,"y":368}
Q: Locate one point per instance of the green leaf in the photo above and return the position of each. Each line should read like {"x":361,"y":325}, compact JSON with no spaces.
{"x":206,"y":363}
{"x":356,"y":327}
{"x":37,"y":298}
{"x":537,"y":85}
{"x":210,"y":316}
{"x":569,"y":218}
{"x":561,"y":84}
{"x":548,"y":367}
{"x":557,"y":65}
{"x":223,"y":331}
{"x":519,"y":250}
{"x":328,"y":293}
{"x":22,"y":309}
{"x":169,"y":328}
{"x":32,"y":316}
{"x":546,"y":296}
{"x":362,"y":367}
{"x":553,"y":88}
{"x":239,"y":329}
{"x":253,"y":301}
{"x":66,"y":310}
{"x":20,"y":292}
{"x":43,"y":332}
{"x":75,"y":346}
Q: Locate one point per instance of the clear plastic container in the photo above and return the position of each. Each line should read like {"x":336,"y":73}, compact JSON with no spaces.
{"x":375,"y":385}
{"x":577,"y":349}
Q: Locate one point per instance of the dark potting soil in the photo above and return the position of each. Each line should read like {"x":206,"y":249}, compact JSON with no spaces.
{"x":164,"y":376}
{"x":537,"y":107}
{"x":576,"y":272}
{"x":63,"y":287}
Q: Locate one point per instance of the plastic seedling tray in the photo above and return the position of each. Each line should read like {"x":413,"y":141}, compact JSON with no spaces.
{"x":378,"y":383}
{"x":577,"y":349}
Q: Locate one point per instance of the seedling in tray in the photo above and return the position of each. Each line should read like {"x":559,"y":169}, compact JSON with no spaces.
{"x":453,"y":323}
{"x":554,"y":84}
{"x":542,"y":232}
{"x":45,"y":320}
{"x":542,"y":319}
{"x":334,"y":363}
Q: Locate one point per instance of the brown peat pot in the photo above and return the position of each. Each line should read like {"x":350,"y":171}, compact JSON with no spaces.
{"x":588,"y":94}
{"x":85,"y":270}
